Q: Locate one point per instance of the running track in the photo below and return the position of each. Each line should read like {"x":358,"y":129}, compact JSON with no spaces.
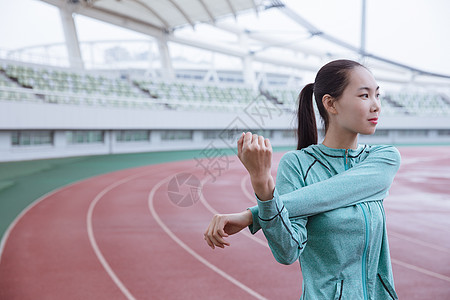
{"x":118,"y":236}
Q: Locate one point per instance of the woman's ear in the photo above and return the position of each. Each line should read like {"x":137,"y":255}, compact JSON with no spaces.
{"x":329,"y":104}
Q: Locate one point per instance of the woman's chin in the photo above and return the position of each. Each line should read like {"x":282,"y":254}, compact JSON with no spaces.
{"x":369,"y":131}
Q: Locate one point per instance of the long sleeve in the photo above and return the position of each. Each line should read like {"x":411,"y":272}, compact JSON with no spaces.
{"x":369,"y":180}
{"x":286,"y":236}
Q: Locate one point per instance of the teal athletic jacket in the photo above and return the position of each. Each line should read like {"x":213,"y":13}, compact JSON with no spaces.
{"x":327,"y":211}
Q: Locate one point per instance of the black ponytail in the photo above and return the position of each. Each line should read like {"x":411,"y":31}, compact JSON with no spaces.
{"x":332,"y":79}
{"x":307,"y":128}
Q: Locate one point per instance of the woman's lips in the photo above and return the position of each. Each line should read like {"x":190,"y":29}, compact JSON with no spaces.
{"x":374,"y":120}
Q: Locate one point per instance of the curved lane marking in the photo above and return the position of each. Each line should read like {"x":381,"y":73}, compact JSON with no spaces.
{"x":24,"y":212}
{"x":416,"y":241}
{"x":184,"y":246}
{"x":91,"y":235}
{"x":215,"y":212}
{"x":420,"y":270}
{"x":190,"y":250}
{"x":244,"y":189}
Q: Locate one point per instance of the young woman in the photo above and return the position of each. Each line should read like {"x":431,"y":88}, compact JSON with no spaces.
{"x":327,"y":206}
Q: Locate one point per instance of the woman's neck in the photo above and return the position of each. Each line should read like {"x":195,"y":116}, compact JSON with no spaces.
{"x":340,"y":140}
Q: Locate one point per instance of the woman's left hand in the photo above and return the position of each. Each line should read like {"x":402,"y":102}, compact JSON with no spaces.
{"x":222,"y":226}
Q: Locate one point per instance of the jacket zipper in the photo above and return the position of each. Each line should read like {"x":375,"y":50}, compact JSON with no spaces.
{"x":346,"y":159}
{"x":364,"y":258}
{"x":366,"y":245}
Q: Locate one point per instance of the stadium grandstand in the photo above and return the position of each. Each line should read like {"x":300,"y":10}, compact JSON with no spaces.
{"x":161,"y":101}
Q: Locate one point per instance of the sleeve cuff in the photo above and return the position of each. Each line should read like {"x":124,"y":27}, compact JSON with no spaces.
{"x":264,"y":208}
{"x":269,"y":209}
{"x":255,"y":226}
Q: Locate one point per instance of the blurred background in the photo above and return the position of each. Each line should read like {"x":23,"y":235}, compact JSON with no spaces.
{"x":102,"y":77}
{"x":89,"y":87}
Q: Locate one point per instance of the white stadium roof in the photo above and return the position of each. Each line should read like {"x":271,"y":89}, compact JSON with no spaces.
{"x":161,"y":18}
{"x":165,"y":15}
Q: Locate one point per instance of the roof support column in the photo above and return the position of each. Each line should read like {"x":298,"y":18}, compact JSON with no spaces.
{"x":247,"y":60}
{"x":71,"y":37}
{"x":166,"y":61}
{"x":249,"y":73}
{"x":363,"y":28}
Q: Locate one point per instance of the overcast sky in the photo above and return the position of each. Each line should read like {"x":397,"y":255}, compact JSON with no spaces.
{"x":414,"y":32}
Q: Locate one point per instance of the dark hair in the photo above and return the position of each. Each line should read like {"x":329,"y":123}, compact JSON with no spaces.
{"x":332,"y":79}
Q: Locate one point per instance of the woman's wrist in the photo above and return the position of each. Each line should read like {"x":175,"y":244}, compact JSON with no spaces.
{"x":263,"y":187}
{"x":248,"y":216}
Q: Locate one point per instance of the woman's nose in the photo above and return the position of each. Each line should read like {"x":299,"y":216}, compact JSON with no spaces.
{"x":375,"y":105}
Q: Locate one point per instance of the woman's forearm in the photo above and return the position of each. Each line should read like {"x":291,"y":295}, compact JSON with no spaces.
{"x":368,"y":181}
{"x":263,"y":186}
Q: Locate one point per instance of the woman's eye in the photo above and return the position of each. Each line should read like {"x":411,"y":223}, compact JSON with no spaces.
{"x":365,"y":95}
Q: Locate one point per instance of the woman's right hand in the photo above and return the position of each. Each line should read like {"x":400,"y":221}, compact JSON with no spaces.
{"x":222,"y":226}
{"x":255,"y":153}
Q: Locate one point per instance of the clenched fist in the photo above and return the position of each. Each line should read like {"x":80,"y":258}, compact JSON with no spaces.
{"x":255,"y":153}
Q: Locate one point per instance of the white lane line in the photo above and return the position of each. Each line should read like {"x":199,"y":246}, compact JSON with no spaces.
{"x":91,"y":235}
{"x":432,"y":225}
{"x":401,"y":212}
{"x":416,"y":241}
{"x":415,"y":160}
{"x":247,"y":194}
{"x":420,"y":270}
{"x":23,"y":213}
{"x":215,"y":212}
{"x":190,"y":250}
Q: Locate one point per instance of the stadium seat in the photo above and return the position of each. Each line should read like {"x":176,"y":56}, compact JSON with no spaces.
{"x":65,"y":86}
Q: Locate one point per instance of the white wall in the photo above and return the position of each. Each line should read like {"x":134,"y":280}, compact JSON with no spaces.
{"x":61,"y":148}
{"x":23,"y":115}
{"x":61,"y":118}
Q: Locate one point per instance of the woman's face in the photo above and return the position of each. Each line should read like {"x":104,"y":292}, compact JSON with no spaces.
{"x":358,"y":108}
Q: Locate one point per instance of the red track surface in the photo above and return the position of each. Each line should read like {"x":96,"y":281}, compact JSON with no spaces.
{"x":118,"y":236}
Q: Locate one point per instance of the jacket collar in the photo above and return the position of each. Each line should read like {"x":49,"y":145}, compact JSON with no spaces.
{"x":340,"y":152}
